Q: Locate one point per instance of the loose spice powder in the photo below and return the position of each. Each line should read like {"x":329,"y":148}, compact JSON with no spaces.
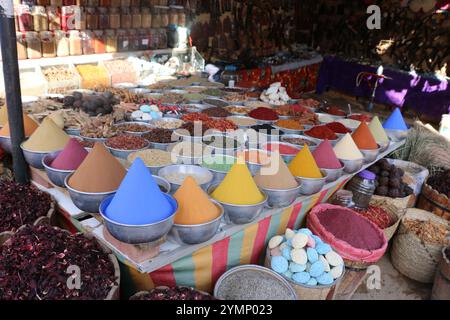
{"x":321,"y":132}
{"x":346,"y":149}
{"x":47,"y":137}
{"x":364,"y":138}
{"x":325,"y":156}
{"x":99,"y":172}
{"x":377,"y":130}
{"x":264,"y":114}
{"x":280,"y":179}
{"x":194,"y":206}
{"x":289,"y":124}
{"x":337,"y":127}
{"x":71,"y":157}
{"x":29,"y":126}
{"x":304,"y":165}
{"x":282,"y":148}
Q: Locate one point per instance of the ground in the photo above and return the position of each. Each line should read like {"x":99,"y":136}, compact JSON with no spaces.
{"x":394,"y":286}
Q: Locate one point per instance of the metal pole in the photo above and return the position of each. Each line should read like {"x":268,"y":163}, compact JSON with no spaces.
{"x":12,"y":88}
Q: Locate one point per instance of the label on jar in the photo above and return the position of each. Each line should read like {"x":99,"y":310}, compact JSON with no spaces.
{"x":145,"y":42}
{"x":7,"y":8}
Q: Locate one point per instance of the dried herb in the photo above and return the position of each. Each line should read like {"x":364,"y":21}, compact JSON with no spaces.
{"x":34,"y":264}
{"x":428,"y":231}
{"x":21,"y":204}
{"x":440,"y":181}
{"x":176,"y":293}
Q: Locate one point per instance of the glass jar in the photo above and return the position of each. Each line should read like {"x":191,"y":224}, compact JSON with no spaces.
{"x":25,"y":18}
{"x":146,"y":18}
{"x":75,"y":43}
{"x":81,"y":24}
{"x":62,"y":43}
{"x":156,"y":18}
{"x":114,"y":3}
{"x":21,"y":46}
{"x":114,"y":18}
{"x":144,"y":39}
{"x":162,"y":39}
{"x":173,"y":15}
{"x":134,"y":40}
{"x":93,"y":3}
{"x":154,"y":39}
{"x":136,"y":18}
{"x":164,"y":11}
{"x":34,"y":50}
{"x":48,"y":44}
{"x":125,"y":18}
{"x":103,"y":18}
{"x":54,"y":18}
{"x":56,"y":3}
{"x":125,"y":3}
{"x":181,"y":17}
{"x":343,"y":198}
{"x":99,"y":41}
{"x":135,"y":3}
{"x":363,"y":187}
{"x":88,"y":42}
{"x":123,"y":41}
{"x":111,"y":41}
{"x":40,"y":19}
{"x":69,"y":17}
{"x":91,"y":18}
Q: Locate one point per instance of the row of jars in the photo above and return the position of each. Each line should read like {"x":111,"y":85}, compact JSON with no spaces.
{"x":94,"y":3}
{"x":40,"y":18}
{"x":47,"y":44}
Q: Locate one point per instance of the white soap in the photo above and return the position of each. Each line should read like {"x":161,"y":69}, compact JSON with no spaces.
{"x":275,"y":242}
{"x":325,"y":263}
{"x":289,"y":234}
{"x":299,"y":256}
{"x":336,"y":272}
{"x":299,"y":241}
{"x":334,"y":259}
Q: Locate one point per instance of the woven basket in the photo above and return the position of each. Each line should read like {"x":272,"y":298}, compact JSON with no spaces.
{"x":410,"y":255}
{"x":441,"y":287}
{"x":394,"y":212}
{"x":435,"y":202}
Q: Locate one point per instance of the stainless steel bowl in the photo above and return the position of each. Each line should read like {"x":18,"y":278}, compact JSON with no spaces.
{"x":252,"y":166}
{"x":220,"y":151}
{"x":286,"y":157}
{"x":186,"y":170}
{"x":243,"y":117}
{"x":93,"y":139}
{"x":34,"y":158}
{"x":162,"y":183}
{"x":281,"y":198}
{"x":198,"y":233}
{"x":132,"y":133}
{"x":123,"y":154}
{"x":241,"y":214}
{"x":161,"y":146}
{"x":384,"y":146}
{"x":138,"y":234}
{"x":397,"y":135}
{"x":189,"y":138}
{"x":153,"y":123}
{"x":370,"y":155}
{"x":5,"y":144}
{"x":288,"y":131}
{"x":218,"y":175}
{"x":313,"y":140}
{"x":73,"y":131}
{"x":271,"y":122}
{"x":352,"y":166}
{"x":309,"y":186}
{"x":333,"y":174}
{"x":56,"y":176}
{"x":86,"y":201}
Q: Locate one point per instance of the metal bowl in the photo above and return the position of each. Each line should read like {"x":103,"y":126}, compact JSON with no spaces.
{"x":123,"y":154}
{"x":220,"y":151}
{"x":161,"y":182}
{"x":286,"y":157}
{"x":397,"y":135}
{"x":313,"y":140}
{"x":309,"y":186}
{"x":93,"y":139}
{"x":333,"y":174}
{"x":241,"y":214}
{"x":86,"y":201}
{"x":287,"y":131}
{"x":140,"y":91}
{"x":281,"y":198}
{"x":384,"y":146}
{"x":5,"y":144}
{"x":138,"y":234}
{"x":243,"y":117}
{"x":152,"y":123}
{"x":189,"y":138}
{"x":186,"y":170}
{"x":161,"y":146}
{"x":34,"y":158}
{"x":73,"y":131}
{"x":352,"y":166}
{"x":270,"y":122}
{"x":133,"y":133}
{"x":218,"y":175}
{"x":56,"y":176}
{"x":370,"y":155}
{"x":252,"y":166}
{"x":198,"y":233}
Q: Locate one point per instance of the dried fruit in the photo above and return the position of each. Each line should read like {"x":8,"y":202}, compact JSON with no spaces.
{"x":176,"y":293}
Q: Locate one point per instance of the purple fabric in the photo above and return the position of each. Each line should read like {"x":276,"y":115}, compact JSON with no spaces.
{"x":425,"y":94}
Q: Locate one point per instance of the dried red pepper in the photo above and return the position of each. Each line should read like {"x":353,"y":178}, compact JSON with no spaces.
{"x":338,"y":127}
{"x":321,"y":132}
{"x":377,"y":215}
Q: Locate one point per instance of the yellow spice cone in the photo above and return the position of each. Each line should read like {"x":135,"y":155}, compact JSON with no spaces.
{"x":304,"y":165}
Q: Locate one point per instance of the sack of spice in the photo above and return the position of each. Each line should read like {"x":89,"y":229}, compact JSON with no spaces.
{"x":417,"y":247}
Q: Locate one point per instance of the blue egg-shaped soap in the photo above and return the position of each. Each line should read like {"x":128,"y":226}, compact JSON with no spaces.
{"x":155,"y":115}
{"x":312,"y":254}
{"x":305,"y":231}
{"x":312,"y":282}
{"x":295,"y":267}
{"x":288,"y":274}
{"x":145,"y":108}
{"x":325,"y":279}
{"x":286,"y":252}
{"x":301,"y":277}
{"x":317,"y":268}
{"x":317,"y":239}
{"x":323,"y":248}
{"x":279,"y":264}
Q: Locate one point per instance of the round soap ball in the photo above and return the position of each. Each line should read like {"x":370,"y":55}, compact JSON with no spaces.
{"x":323,"y":248}
{"x":299,"y":256}
{"x":317,"y":269}
{"x":279,"y":264}
{"x":295,"y":267}
{"x":289,"y":234}
{"x":299,"y":241}
{"x":336,"y":272}
{"x":301,"y":277}
{"x":334,"y":259}
{"x":325,"y":279}
{"x":312,"y":254}
{"x":275,"y":242}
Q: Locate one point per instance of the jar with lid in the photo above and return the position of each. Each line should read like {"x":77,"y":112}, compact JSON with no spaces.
{"x":81,"y":24}
{"x":103,"y":18}
{"x":40,"y":19}
{"x":99,"y":41}
{"x":125,"y":3}
{"x":62,"y":43}
{"x":25,"y":18}
{"x":135,"y":3}
{"x":114,"y":18}
{"x":164,"y":11}
{"x":93,"y":3}
{"x":114,"y":3}
{"x":123,"y":41}
{"x":173,"y":15}
{"x":48,"y":44}
{"x":34,"y":50}
{"x":56,"y":3}
{"x":343,"y":198}
{"x":69,"y":17}
{"x":21,"y":46}
{"x":75,"y":44}
{"x":146,"y":18}
{"x":91,"y":18}
{"x":43,"y":2}
{"x":134,"y":40}
{"x":136,"y":17}
{"x":162,"y":39}
{"x":363,"y":187}
{"x":156,"y":17}
{"x":154,"y":39}
{"x":88,"y":42}
{"x":125,"y":18}
{"x":181,"y":16}
{"x":54,"y":18}
{"x":144,"y":39}
{"x":111,"y":41}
